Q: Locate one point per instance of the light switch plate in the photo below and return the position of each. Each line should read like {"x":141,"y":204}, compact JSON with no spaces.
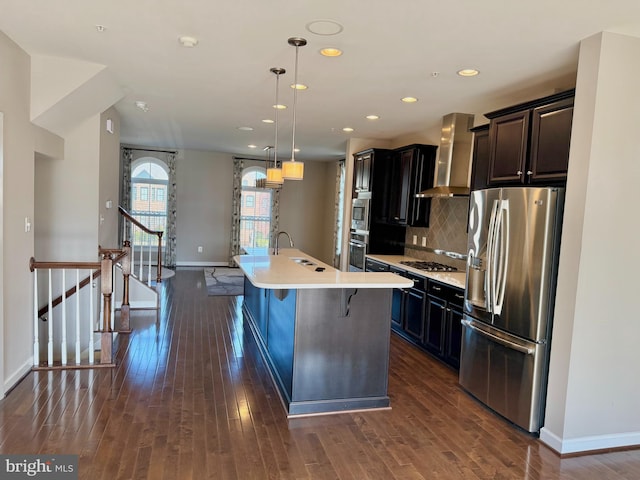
{"x":424,"y":241}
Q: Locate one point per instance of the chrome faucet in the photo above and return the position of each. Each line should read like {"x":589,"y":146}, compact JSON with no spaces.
{"x":278,"y":236}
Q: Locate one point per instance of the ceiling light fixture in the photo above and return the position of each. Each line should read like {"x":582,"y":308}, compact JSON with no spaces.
{"x":142,"y":105}
{"x":279,"y":106}
{"x":468,"y":72}
{"x":188,"y":42}
{"x":324,"y":27}
{"x":246,"y":129}
{"x":347,"y":129}
{"x":252,"y":146}
{"x":293,"y":170}
{"x":330,"y":52}
{"x":274,"y":174}
{"x":267,"y":120}
{"x":299,"y":86}
{"x":372,"y":117}
{"x":409,"y":99}
{"x":100,"y":28}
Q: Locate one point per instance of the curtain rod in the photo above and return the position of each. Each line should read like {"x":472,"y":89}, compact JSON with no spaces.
{"x":151,"y":150}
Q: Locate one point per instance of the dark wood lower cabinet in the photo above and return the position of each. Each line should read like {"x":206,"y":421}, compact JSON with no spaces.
{"x":428,"y":315}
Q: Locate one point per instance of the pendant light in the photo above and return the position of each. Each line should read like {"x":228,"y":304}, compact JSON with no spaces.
{"x":274,"y":174}
{"x":293,"y":170}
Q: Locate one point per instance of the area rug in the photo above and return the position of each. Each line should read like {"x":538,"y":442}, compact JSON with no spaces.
{"x":224,"y":281}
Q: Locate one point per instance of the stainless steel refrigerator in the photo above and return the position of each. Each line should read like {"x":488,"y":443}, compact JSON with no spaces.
{"x":512,"y":257}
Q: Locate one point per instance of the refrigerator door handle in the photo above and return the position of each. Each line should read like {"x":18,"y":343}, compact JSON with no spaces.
{"x":491,"y":247}
{"x":502,"y":256}
{"x":499,"y":339}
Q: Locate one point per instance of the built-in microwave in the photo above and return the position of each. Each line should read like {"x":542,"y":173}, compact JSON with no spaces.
{"x":360,"y":214}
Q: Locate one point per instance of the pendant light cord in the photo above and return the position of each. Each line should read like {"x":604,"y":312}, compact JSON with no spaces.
{"x":295,"y":98}
{"x":277,"y":106}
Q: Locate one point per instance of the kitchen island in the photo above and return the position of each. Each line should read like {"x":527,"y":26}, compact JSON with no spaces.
{"x":324,"y":333}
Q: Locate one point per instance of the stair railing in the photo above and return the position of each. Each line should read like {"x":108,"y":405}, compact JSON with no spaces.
{"x":145,"y":238}
{"x":83,"y":322}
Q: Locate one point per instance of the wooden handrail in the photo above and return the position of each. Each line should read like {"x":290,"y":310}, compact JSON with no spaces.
{"x":127,"y":215}
{"x":33,"y":265}
{"x":159,"y":234}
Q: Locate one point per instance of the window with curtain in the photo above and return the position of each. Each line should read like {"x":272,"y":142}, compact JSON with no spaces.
{"x":255,"y":210}
{"x":149,"y":184}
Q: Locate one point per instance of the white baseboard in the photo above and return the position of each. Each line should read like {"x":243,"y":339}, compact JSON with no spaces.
{"x":585,"y":444}
{"x":18,"y":375}
{"x":202,"y":264}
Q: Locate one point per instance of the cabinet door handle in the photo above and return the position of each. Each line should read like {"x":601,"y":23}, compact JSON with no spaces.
{"x":529,"y":172}
{"x":461,"y":297}
{"x":519,"y":172}
{"x":437,"y":289}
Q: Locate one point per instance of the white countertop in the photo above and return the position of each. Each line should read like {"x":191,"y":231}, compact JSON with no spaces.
{"x":282,"y":271}
{"x":455,"y":279}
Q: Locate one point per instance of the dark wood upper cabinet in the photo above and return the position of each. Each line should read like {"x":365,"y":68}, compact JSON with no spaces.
{"x":480,"y":162}
{"x":529,"y":143}
{"x":551,"y":136}
{"x":412,"y":170}
{"x":362,"y":165}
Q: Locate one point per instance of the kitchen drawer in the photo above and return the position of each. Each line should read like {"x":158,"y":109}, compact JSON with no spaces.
{"x":451,"y":294}
{"x":375,"y":266}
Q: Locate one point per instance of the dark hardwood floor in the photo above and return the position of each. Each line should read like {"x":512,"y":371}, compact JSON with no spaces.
{"x":190,"y":398}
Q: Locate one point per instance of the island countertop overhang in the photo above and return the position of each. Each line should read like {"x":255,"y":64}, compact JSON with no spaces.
{"x":285,"y":271}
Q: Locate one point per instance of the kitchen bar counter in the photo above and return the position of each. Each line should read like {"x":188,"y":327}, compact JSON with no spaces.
{"x":455,"y":279}
{"x":287,"y":270}
{"x":324,"y":335}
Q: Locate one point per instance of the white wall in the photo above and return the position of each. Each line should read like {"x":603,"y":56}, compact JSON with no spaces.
{"x":204,"y":186}
{"x":593,"y":392}
{"x":109,"y":180}
{"x":16,"y":190}
{"x":66,"y":199}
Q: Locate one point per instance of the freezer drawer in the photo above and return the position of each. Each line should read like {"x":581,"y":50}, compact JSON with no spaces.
{"x":506,"y":373}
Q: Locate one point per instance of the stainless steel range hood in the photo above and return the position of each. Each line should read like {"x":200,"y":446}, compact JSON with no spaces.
{"x":453,"y":167}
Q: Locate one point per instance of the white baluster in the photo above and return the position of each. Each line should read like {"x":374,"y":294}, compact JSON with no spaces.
{"x":149,"y":262}
{"x":36,"y":336}
{"x":91,"y":318}
{"x":64,"y":319}
{"x":113,"y":297}
{"x":78,"y":351}
{"x":50,"y":322}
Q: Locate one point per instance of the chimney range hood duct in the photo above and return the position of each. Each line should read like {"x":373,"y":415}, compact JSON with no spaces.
{"x":453,"y":167}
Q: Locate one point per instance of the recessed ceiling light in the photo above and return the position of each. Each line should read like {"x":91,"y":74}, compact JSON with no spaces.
{"x":297,"y":150}
{"x":347,"y":129}
{"x":280,"y":106}
{"x":246,"y":129}
{"x":409,"y":99}
{"x":324,"y":27}
{"x":331,"y":52}
{"x":299,"y":86}
{"x":142,"y":105}
{"x":372,"y":117}
{"x":267,"y":120}
{"x":100,"y":28}
{"x":188,"y":42}
{"x":468,"y":72}
{"x":252,"y":146}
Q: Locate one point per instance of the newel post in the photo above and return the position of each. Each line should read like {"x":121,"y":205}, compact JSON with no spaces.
{"x":106,"y":334}
{"x":159,"y":272}
{"x":125,"y":325}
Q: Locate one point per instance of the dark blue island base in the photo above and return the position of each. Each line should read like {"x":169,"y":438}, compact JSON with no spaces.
{"x":327,"y":348}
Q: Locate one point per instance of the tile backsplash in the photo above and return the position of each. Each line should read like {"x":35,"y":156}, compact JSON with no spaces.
{"x":447,"y":231}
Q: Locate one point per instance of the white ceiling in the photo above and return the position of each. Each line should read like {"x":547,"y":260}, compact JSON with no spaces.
{"x":198,"y":97}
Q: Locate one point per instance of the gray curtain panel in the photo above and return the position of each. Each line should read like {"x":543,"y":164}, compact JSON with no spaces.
{"x":236,"y":203}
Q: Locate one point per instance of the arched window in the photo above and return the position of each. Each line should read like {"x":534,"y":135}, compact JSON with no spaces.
{"x":255,"y":210}
{"x":149,"y":183}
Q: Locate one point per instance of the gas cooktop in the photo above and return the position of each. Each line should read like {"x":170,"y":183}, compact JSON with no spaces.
{"x":429,"y":266}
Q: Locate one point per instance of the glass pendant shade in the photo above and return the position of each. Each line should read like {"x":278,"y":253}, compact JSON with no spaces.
{"x":292,"y":170}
